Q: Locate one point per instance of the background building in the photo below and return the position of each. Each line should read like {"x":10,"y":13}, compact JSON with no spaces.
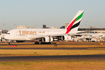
{"x":21,"y":27}
{"x":66,"y":24}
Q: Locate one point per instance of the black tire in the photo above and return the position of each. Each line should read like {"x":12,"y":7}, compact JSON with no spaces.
{"x":9,"y":43}
{"x":36,"y":42}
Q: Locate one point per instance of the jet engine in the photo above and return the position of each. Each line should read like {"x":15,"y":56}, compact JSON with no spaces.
{"x":66,"y":37}
{"x":47,"y":39}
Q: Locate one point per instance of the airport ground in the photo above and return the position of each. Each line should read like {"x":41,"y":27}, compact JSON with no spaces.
{"x":53,"y":65}
{"x":67,"y":56}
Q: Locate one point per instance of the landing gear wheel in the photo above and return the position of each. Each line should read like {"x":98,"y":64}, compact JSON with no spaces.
{"x":9,"y":43}
{"x":37,"y":42}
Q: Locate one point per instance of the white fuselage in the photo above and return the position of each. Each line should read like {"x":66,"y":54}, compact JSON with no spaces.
{"x":31,"y":34}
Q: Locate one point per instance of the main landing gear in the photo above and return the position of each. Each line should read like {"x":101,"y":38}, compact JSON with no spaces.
{"x":9,"y":43}
{"x":42,"y":42}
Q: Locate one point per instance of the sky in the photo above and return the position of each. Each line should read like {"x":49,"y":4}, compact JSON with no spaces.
{"x":35,"y":13}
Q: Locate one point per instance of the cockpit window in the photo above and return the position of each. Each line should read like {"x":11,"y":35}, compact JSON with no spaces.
{"x":7,"y":33}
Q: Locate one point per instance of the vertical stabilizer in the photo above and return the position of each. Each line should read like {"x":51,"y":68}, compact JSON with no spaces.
{"x":74,"y":24}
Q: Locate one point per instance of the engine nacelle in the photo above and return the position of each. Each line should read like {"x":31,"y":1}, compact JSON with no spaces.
{"x":67,"y":38}
{"x":47,"y":39}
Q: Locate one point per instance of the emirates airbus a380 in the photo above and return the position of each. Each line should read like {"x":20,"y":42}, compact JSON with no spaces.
{"x":46,"y":35}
